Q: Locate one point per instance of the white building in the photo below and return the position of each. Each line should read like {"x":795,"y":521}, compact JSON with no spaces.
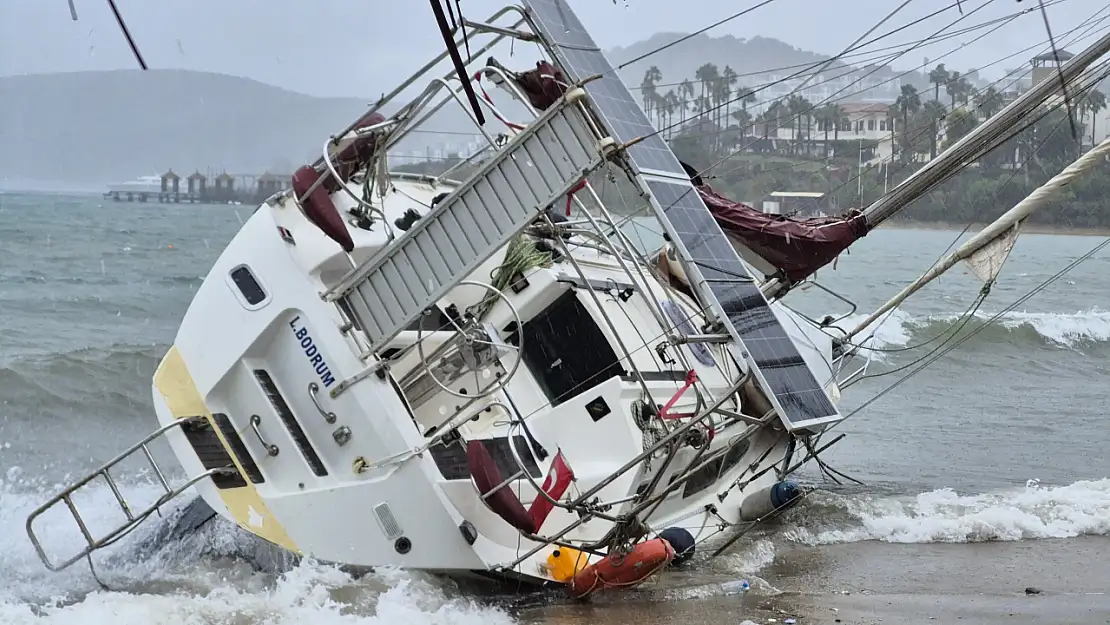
{"x":862,"y":122}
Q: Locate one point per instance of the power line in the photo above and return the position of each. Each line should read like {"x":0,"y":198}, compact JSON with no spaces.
{"x":694,"y":34}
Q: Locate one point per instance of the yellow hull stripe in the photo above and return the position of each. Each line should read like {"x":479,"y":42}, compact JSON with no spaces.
{"x":173,"y":381}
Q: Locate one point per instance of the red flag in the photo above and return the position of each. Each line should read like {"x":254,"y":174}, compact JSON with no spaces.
{"x":555,"y":485}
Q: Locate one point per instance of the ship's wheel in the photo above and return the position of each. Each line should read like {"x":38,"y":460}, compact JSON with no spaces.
{"x":471,"y":362}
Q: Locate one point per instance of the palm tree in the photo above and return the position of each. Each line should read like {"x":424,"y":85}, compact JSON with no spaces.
{"x":798,"y":108}
{"x":938,"y":76}
{"x":708,"y":75}
{"x":772,"y":118}
{"x":746,"y":96}
{"x":672,"y":103}
{"x":964,"y":89}
{"x":1094,"y":102}
{"x":729,"y":78}
{"x":743,"y":122}
{"x":686,"y":93}
{"x":829,"y":115}
{"x":952,"y":87}
{"x":908,"y":103}
{"x":989,"y":102}
{"x":841,"y":118}
{"x":647,"y":87}
{"x":934,"y":111}
{"x":659,"y":107}
{"x":892,"y":113}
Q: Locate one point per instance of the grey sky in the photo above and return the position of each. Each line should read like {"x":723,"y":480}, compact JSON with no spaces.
{"x":351,"y":48}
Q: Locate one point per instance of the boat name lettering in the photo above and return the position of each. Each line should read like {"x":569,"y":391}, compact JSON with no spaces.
{"x":313,"y":353}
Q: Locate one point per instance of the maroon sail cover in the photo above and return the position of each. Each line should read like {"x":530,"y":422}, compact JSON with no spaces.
{"x":543,"y":85}
{"x":351,"y":158}
{"x":796,"y":247}
{"x":319,"y":208}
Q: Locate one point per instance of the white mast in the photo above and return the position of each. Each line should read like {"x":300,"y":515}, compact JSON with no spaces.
{"x":986,"y":252}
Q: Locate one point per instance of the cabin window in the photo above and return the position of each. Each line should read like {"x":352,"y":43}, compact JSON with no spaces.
{"x":247,"y":284}
{"x":566,"y":351}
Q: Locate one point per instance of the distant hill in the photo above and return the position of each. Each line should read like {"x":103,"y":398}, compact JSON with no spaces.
{"x":96,"y":127}
{"x":90,"y":128}
{"x":745,"y":56}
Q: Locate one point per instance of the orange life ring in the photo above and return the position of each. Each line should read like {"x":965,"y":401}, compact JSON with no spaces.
{"x":642,"y":562}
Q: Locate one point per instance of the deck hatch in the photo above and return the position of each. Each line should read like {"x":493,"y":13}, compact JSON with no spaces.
{"x":290,"y":420}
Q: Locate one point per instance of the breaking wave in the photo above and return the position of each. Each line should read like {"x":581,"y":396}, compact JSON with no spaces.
{"x":1067,"y":330}
{"x":190,"y":584}
{"x":945,"y":516}
{"x":100,"y":379}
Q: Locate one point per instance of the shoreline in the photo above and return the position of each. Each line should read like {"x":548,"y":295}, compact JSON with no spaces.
{"x":946,"y":226}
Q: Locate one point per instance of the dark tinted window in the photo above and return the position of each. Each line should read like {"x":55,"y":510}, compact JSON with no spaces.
{"x":566,"y":351}
{"x":248,"y":286}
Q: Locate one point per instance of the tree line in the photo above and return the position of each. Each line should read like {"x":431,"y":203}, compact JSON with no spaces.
{"x":711,"y":123}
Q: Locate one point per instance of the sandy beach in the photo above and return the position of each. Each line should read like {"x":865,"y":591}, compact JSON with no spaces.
{"x":876,"y":582}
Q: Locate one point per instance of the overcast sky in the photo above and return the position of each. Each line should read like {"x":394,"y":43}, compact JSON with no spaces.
{"x":362,"y":47}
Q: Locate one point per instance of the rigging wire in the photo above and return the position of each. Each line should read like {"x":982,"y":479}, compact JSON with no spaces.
{"x":855,"y":44}
{"x":963,"y":319}
{"x":873,"y":52}
{"x":983,"y":90}
{"x":1018,"y":302}
{"x":858,"y":176}
{"x":1011,"y":177}
{"x":1059,"y":70}
{"x":813,"y":107}
{"x":456,"y":58}
{"x":905,"y":73}
{"x":694,"y":34}
{"x":123,"y":28}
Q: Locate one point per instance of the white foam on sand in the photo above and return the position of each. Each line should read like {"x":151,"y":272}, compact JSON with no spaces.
{"x":181,"y":591}
{"x":945,"y":516}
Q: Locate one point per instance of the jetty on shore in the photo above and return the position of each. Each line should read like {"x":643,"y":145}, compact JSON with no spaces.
{"x":225,"y":188}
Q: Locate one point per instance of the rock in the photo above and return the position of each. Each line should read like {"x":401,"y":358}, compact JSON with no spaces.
{"x":1032,"y":591}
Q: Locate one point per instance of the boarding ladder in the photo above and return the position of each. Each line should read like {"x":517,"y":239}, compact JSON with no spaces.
{"x":539,"y":166}
{"x":94,"y":543}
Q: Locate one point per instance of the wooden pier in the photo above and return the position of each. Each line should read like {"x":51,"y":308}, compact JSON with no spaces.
{"x":225,"y":188}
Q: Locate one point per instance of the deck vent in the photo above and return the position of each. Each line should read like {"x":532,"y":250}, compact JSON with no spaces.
{"x":387,"y":521}
{"x":290,"y":420}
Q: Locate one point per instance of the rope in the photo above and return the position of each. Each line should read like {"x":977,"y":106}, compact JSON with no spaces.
{"x":520,"y":256}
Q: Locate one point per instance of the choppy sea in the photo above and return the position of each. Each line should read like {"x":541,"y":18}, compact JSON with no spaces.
{"x":984,"y":473}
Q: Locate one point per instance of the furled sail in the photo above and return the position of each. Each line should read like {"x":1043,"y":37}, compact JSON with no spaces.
{"x":793,"y":248}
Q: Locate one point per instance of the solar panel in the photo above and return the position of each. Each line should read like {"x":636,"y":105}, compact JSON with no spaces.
{"x":779,"y":365}
{"x":759,"y":338}
{"x":580,"y":58}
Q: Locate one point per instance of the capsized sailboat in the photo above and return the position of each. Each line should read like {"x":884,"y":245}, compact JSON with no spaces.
{"x":484,"y":371}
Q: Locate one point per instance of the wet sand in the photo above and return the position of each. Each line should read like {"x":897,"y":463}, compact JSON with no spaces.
{"x":869,"y":583}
